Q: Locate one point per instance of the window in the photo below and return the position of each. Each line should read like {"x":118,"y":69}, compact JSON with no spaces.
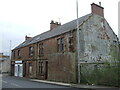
{"x":41,"y":67}
{"x":30,"y":51}
{"x":41,"y":49}
{"x":19,"y":54}
{"x":60,"y":44}
{"x":30,"y":68}
{"x":71,"y":47}
{"x":14,"y":54}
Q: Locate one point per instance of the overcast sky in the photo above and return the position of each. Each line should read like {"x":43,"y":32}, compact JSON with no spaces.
{"x":32,"y":17}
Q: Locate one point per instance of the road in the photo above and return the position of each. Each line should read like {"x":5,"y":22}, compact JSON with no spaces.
{"x":18,"y":82}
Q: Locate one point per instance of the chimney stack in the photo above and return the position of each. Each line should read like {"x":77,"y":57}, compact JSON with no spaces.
{"x":54,"y":25}
{"x":26,"y":37}
{"x":97,"y":9}
{"x":100,"y":3}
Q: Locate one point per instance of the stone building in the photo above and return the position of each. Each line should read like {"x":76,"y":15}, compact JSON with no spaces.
{"x":52,"y":55}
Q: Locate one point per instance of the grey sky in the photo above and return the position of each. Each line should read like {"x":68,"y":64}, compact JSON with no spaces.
{"x":32,"y":17}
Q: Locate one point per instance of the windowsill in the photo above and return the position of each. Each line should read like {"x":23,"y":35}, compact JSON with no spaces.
{"x":30,"y":56}
{"x":19,"y":57}
{"x":41,"y":55}
{"x":60,"y":51}
{"x":42,"y":74}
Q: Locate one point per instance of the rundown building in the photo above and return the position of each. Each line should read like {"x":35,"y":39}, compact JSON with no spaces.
{"x":52,"y":55}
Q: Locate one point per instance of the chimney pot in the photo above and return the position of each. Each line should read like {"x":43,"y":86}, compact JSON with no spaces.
{"x":100,"y":3}
{"x":54,"y":25}
{"x":56,"y":22}
{"x":52,"y":22}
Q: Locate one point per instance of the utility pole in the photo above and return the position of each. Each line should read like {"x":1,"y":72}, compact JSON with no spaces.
{"x":10,"y":50}
{"x":10,"y":58}
{"x":78,"y":43}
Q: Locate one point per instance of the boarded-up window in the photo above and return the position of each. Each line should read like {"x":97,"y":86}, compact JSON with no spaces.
{"x":71,"y":47}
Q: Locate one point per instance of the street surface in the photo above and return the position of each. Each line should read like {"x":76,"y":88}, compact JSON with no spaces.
{"x":18,"y":82}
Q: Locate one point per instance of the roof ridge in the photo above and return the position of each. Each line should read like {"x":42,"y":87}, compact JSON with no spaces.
{"x":57,"y":31}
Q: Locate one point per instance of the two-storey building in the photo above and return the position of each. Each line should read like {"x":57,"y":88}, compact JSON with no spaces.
{"x":52,"y":55}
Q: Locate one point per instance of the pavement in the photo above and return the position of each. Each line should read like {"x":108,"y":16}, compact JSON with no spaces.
{"x":12,"y":82}
{"x":89,"y":87}
{"x":18,"y":82}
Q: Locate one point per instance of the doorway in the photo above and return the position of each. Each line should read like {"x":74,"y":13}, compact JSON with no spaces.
{"x":46,"y":70}
{"x":24,"y":69}
{"x":12,"y":70}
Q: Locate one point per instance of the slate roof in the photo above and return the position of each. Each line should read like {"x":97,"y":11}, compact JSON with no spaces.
{"x":57,"y":31}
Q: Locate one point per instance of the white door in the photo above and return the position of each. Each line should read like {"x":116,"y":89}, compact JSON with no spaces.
{"x":20,"y":70}
{"x":16,"y":70}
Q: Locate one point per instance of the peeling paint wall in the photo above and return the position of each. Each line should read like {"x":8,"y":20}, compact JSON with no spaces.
{"x":99,"y":47}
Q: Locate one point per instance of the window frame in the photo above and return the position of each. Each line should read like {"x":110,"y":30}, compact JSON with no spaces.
{"x":19,"y":54}
{"x":31,"y":51}
{"x":60,"y":44}
{"x":30,"y":68}
{"x":14,"y":54}
{"x":41,"y":68}
{"x":41,"y":49}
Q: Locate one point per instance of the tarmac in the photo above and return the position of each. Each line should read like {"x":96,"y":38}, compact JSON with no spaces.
{"x":88,"y":87}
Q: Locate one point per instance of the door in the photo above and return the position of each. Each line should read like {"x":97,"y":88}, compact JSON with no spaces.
{"x":46,"y":69}
{"x":12,"y":69}
{"x":24,"y":69}
{"x":16,"y":70}
{"x":20,"y":70}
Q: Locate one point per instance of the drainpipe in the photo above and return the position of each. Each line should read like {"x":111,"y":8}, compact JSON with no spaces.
{"x":78,"y":44}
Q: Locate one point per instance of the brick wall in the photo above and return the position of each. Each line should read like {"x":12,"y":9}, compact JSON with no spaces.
{"x":61,"y":65}
{"x":96,"y":9}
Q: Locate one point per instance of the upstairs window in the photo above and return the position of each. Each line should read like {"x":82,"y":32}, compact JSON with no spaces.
{"x":41,"y":49}
{"x":14,"y":54}
{"x":30,"y":51}
{"x":60,"y":44}
{"x":19,"y":54}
